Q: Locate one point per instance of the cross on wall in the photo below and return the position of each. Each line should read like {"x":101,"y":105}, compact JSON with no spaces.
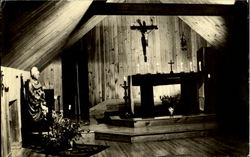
{"x":143,"y":28}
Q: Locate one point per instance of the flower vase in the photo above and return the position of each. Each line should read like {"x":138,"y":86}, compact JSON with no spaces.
{"x":171,"y":111}
{"x":71,"y":145}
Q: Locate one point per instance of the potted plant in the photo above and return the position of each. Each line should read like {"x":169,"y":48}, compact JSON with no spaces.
{"x":62,"y":134}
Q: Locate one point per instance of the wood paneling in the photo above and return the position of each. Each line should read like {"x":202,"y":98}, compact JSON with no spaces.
{"x":51,"y":77}
{"x":42,"y":38}
{"x":33,"y":42}
{"x":86,"y":27}
{"x":211,"y":28}
{"x":115,"y":51}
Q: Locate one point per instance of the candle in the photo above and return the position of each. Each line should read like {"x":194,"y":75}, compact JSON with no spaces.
{"x":125,"y":80}
{"x":191,"y":66}
{"x":209,"y":76}
{"x":137,"y":68}
{"x":181,"y":66}
{"x":157,"y":67}
{"x":199,"y":65}
{"x":147,"y":66}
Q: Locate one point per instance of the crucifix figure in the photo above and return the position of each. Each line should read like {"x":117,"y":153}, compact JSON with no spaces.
{"x":143,"y":28}
{"x":171,"y":64}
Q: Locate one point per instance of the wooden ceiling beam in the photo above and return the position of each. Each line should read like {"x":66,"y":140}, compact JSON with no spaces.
{"x":84,"y":29}
{"x":45,"y":37}
{"x":100,"y":8}
{"x":212,"y":28}
{"x":88,"y":22}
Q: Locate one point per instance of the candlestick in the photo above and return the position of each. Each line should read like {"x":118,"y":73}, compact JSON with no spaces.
{"x":171,"y":68}
{"x":127,"y":113}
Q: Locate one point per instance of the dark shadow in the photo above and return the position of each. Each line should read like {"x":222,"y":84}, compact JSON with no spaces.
{"x":79,"y":150}
{"x":232,"y":86}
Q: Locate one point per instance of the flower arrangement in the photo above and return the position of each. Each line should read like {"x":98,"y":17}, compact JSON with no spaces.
{"x":170,"y":102}
{"x":62,"y":134}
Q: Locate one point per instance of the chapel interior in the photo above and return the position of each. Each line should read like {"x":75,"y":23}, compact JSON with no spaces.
{"x":146,"y":78}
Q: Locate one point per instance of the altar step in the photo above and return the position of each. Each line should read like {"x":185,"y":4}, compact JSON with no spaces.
{"x":155,"y":133}
{"x":164,"y":120}
{"x":158,"y":129}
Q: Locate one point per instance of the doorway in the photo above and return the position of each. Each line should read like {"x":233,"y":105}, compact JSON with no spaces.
{"x":75,"y":84}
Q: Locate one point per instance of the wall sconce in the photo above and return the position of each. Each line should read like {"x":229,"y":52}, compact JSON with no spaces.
{"x":183,"y":42}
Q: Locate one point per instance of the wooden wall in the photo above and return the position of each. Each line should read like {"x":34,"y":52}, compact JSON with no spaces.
{"x":115,"y":51}
{"x":51,"y":77}
{"x":11,"y":110}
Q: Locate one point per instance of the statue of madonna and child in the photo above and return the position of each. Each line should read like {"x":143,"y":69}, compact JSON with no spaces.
{"x":37,"y":108}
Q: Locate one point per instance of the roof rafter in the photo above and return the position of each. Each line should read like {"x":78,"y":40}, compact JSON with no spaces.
{"x":100,"y":8}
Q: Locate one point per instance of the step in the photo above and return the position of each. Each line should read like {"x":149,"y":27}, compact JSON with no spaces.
{"x":154,"y":133}
{"x":153,"y":137}
{"x":164,"y":120}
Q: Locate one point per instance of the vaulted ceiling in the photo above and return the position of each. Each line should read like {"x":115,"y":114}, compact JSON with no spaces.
{"x":212,"y":28}
{"x":38,"y":35}
{"x":42,"y":31}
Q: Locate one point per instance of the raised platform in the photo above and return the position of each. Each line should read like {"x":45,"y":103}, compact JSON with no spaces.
{"x":164,"y":120}
{"x":157,"y":129}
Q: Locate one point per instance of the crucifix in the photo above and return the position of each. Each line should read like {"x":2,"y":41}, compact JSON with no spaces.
{"x":143,"y":28}
{"x":171,"y":64}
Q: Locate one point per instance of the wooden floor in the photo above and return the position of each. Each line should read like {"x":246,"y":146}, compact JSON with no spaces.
{"x":195,"y":147}
{"x":185,"y":147}
{"x":188,"y":147}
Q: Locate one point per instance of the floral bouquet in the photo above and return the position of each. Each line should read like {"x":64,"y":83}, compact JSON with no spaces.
{"x":62,"y":134}
{"x":170,"y":102}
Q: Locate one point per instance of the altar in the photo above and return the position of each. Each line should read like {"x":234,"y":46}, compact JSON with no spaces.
{"x":189,"y":87}
{"x":147,"y":125}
